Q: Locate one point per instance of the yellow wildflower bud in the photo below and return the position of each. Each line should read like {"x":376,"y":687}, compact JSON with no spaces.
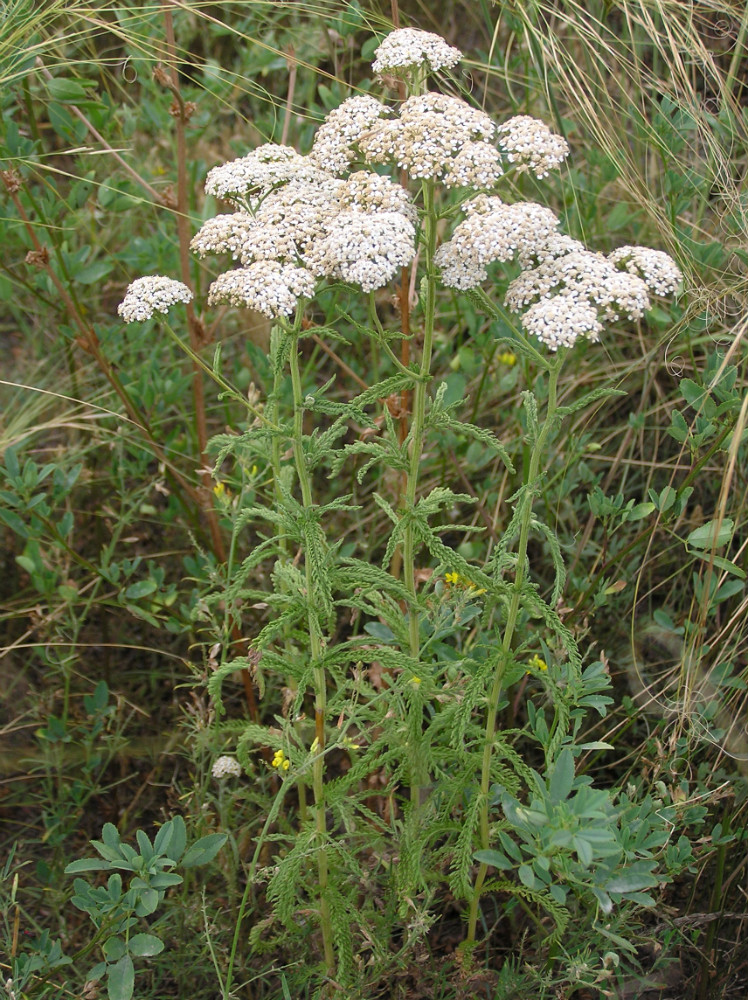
{"x":451,"y":578}
{"x":539,"y":664}
{"x":507,"y":358}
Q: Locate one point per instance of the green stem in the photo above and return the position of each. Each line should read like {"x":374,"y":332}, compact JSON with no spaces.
{"x":419,"y":778}
{"x":318,"y":672}
{"x":272,"y":411}
{"x":505,"y":651}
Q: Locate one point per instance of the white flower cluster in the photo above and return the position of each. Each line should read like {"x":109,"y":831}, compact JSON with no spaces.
{"x":561,"y":320}
{"x":492,"y":231}
{"x":226,"y":767}
{"x":258,"y":173}
{"x":567,"y":290}
{"x":146,"y":296}
{"x":431,"y":130}
{"x":267,"y":286}
{"x":335,"y":144}
{"x":366,"y":249}
{"x":365,"y":191}
{"x":408,"y":48}
{"x":586,"y":276}
{"x":656,"y":268}
{"x":530,"y":144}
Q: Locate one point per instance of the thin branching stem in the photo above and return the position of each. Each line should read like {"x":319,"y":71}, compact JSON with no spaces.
{"x":315,"y":651}
{"x":504,"y":654}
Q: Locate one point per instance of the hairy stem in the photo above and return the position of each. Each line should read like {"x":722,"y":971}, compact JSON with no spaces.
{"x":504,"y":654}
{"x":320,"y":681}
{"x":416,"y":448}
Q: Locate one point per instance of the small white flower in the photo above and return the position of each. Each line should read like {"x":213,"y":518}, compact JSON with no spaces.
{"x":363,"y":248}
{"x":477,"y":165}
{"x":262,"y":170}
{"x":408,"y":48}
{"x":146,"y":296}
{"x":431,"y":130}
{"x":657,"y":269}
{"x":267,"y":286}
{"x":493,"y":231}
{"x":561,"y":320}
{"x":530,"y":144}
{"x":334,"y":146}
{"x":225,"y":767}
{"x":365,"y":191}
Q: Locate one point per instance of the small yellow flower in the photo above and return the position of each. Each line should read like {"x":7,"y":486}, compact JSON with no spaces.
{"x":507,"y":358}
{"x":350,"y":745}
{"x":539,"y":664}
{"x":455,"y":580}
{"x":219,"y":489}
{"x":280,"y":761}
{"x":415,"y":681}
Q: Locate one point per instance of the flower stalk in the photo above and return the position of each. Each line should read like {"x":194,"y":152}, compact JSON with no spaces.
{"x":318,"y":671}
{"x":505,"y":651}
{"x":417,"y":430}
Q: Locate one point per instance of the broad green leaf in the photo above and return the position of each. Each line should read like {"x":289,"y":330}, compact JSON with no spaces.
{"x":494,"y":858}
{"x":140,"y":589}
{"x":163,"y":838}
{"x":145,"y":945}
{"x":86,"y":865}
{"x":147,"y":902}
{"x":563,"y":776}
{"x":526,"y":876}
{"x":67,"y":91}
{"x":114,"y":948}
{"x":713,"y":533}
{"x":121,"y":979}
{"x":204,"y":850}
{"x":630,"y":882}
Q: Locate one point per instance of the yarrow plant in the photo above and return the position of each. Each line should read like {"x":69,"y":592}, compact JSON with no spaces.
{"x":336,"y":620}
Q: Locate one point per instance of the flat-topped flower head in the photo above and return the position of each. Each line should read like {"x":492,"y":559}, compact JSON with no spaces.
{"x":335,"y":144}
{"x":477,"y":165}
{"x":267,"y":286}
{"x":365,"y":191}
{"x":149,"y":295}
{"x":262,"y":170}
{"x":561,"y":320}
{"x":492,"y":231}
{"x":529,"y":144}
{"x":365,"y":249}
{"x":429,"y":133}
{"x":222,"y":234}
{"x":657,"y":269}
{"x":589,"y":277}
{"x":408,"y":49}
{"x":226,"y":767}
